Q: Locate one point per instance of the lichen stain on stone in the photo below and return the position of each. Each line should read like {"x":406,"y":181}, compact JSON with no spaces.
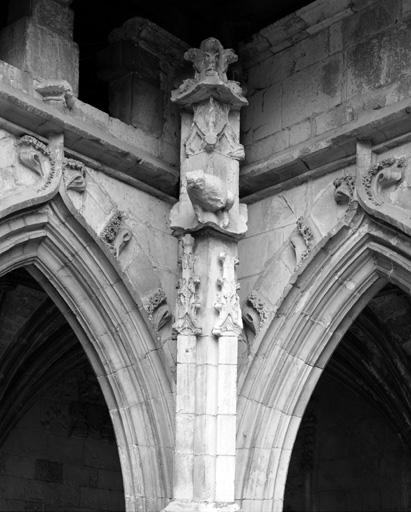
{"x":365,"y":64}
{"x":330,"y":83}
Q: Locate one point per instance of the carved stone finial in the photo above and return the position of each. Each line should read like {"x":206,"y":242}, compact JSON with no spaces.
{"x":74,"y":174}
{"x":211,"y":59}
{"x":187,"y":299}
{"x":210,"y":63}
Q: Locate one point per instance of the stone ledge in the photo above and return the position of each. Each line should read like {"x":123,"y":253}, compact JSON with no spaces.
{"x":85,"y":139}
{"x":330,"y":151}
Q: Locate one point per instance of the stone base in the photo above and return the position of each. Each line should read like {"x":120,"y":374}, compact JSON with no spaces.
{"x":193,"y":506}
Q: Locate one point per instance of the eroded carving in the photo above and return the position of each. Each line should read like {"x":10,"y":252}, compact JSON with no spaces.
{"x":34,"y":154}
{"x":210,"y":63}
{"x":188,"y":302}
{"x":74,"y":173}
{"x":301,"y":241}
{"x":255,"y":311}
{"x":157,"y":308}
{"x":344,"y":189}
{"x":227,"y":303}
{"x":211,"y":59}
{"x":56,"y":92}
{"x":209,"y":194}
{"x":382,"y":174}
{"x":116,"y":234}
{"x":211,"y":131}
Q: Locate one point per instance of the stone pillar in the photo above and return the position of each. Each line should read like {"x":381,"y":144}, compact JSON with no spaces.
{"x":209,"y":222}
{"x":38,"y":39}
{"x":139,"y":65}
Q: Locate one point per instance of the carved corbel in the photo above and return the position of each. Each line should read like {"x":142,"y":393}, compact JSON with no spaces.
{"x":116,"y":234}
{"x":74,"y":173}
{"x":57,"y":93}
{"x":157,"y":308}
{"x":255,"y":311}
{"x":227,"y":303}
{"x":301,"y":241}
{"x":188,"y":302}
{"x":209,"y":195}
{"x":344,"y":189}
{"x":33,"y":154}
{"x":384,"y":173}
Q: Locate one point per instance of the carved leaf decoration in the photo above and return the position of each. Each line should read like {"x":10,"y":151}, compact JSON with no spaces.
{"x":35,"y":156}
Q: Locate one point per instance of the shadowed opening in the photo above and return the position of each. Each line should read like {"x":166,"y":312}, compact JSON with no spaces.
{"x":57,"y":445}
{"x":353,"y":447}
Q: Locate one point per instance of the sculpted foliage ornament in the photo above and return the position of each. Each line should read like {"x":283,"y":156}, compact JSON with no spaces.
{"x":227,"y":303}
{"x":188,"y":302}
{"x":256,"y":311}
{"x":382,"y":174}
{"x":301,"y":241}
{"x":74,"y":175}
{"x":344,"y":189}
{"x":116,"y":234}
{"x":157,"y":308}
{"x":34,"y":154}
{"x":210,"y":63}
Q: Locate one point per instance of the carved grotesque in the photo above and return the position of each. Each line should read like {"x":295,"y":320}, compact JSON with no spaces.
{"x":209,"y":193}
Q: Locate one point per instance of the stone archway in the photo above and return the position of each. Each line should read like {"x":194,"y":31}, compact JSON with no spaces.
{"x":93,"y":297}
{"x":312,"y":319}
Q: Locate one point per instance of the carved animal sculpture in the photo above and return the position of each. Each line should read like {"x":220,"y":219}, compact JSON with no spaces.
{"x":208,"y":193}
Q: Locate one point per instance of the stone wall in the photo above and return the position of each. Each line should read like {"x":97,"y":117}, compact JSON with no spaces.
{"x":62,"y":455}
{"x":309,"y":76}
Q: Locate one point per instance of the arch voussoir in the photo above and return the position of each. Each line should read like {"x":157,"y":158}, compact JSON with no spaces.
{"x":293,"y":350}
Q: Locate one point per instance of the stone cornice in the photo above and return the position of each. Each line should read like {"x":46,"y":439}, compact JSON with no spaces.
{"x":84,"y":140}
{"x":386,"y":127}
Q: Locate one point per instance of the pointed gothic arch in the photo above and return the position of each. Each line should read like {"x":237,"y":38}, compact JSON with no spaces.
{"x":92,"y":294}
{"x":313,"y":317}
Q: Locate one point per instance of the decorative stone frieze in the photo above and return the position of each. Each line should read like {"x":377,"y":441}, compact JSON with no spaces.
{"x":227,"y":302}
{"x":188,"y":302}
{"x":255,"y":311}
{"x":157,"y":308}
{"x":344,"y":189}
{"x":74,"y":175}
{"x":210,"y":63}
{"x":116,"y":234}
